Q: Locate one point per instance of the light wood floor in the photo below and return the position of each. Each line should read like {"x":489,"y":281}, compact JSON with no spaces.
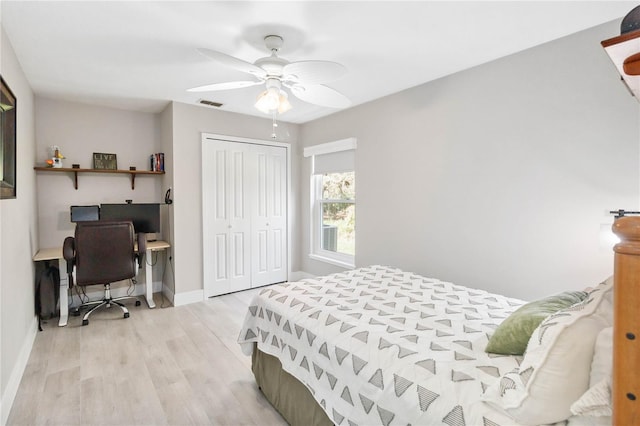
{"x":175,"y":366}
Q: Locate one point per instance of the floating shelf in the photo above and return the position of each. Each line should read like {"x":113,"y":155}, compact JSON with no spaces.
{"x":621,"y":50}
{"x":75,"y":172}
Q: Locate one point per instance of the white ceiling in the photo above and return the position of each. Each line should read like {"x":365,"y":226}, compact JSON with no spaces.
{"x":140,"y":55}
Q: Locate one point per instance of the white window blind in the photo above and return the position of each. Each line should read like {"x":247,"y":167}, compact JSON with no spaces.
{"x":332,"y":157}
{"x":334,"y":162}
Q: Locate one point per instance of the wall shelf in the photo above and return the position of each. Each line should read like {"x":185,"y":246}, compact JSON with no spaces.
{"x":132,"y":173}
{"x":622,"y":50}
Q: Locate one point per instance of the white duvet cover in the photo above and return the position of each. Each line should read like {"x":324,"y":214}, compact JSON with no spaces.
{"x":378,"y":345}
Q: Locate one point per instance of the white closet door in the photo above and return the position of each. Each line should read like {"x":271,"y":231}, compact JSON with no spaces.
{"x":226,"y":218}
{"x":269,"y":215}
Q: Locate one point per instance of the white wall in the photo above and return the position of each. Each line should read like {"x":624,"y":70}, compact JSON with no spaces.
{"x":496,"y":177}
{"x":18,"y":240}
{"x":189,"y":122}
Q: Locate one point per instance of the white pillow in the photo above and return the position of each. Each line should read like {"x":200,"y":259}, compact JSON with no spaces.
{"x":555,"y":371}
{"x":602,"y":365}
{"x":588,"y":421}
{"x":596,"y":402}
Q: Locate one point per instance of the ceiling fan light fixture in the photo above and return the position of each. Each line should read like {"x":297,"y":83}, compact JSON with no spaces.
{"x":262,"y":103}
{"x":284,"y":105}
{"x":273,"y":99}
{"x":268,"y":100}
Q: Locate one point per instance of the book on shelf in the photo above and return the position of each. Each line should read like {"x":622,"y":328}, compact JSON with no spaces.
{"x":156,"y":162}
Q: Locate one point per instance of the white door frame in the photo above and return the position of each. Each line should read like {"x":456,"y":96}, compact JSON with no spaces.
{"x":212,"y":137}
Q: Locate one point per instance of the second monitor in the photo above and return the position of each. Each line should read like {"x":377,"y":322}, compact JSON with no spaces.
{"x":145,"y":217}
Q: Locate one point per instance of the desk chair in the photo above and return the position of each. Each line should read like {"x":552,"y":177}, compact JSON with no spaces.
{"x":103,"y":252}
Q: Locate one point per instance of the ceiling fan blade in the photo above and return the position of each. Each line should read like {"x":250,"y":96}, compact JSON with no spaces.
{"x":224,"y":86}
{"x":234,"y":63}
{"x":320,"y":95}
{"x":313,"y":72}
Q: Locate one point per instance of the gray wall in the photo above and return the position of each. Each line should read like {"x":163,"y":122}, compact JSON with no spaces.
{"x":80,"y":130}
{"x":496,"y":177}
{"x":18,"y":239}
{"x":189,"y":122}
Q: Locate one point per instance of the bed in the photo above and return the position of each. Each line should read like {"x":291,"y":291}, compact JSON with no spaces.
{"x":379,"y":345}
{"x":368,"y":341}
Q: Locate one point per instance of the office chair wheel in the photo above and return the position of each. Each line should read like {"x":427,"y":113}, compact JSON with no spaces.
{"x":85,"y":322}
{"x":137,"y":303}
{"x":126,"y":314}
{"x":75,"y":312}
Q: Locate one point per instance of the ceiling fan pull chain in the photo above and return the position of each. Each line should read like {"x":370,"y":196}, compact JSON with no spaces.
{"x":273,"y":133}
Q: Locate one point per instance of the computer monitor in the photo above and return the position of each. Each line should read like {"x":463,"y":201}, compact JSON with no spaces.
{"x":145,"y":217}
{"x":84,"y":213}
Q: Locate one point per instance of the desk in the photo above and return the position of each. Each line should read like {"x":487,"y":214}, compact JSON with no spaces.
{"x":56,"y":254}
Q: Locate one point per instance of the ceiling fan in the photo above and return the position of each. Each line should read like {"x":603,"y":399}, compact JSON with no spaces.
{"x":303,"y":78}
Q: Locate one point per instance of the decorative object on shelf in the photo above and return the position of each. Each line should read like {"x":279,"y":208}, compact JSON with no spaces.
{"x":56,"y":157}
{"x":631,"y":21}
{"x":103,"y":161}
{"x":8,"y":112}
{"x":156,"y":162}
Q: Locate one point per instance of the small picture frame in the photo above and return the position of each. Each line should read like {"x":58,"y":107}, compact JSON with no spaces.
{"x":102,"y":161}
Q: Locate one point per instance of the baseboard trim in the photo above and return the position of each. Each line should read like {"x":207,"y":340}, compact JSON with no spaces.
{"x":188,"y":297}
{"x":18,"y":370}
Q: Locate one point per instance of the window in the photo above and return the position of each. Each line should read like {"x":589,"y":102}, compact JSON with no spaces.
{"x":333,"y":202}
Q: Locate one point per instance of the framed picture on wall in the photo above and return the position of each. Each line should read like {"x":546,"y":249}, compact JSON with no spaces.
{"x":7,"y":142}
{"x":103,"y":161}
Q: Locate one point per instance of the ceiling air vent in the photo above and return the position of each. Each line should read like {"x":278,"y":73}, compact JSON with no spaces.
{"x":210,"y":103}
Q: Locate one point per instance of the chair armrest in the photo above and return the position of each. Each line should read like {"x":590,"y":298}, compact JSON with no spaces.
{"x":69,"y":249}
{"x":69,"y":254}
{"x":142,"y":248}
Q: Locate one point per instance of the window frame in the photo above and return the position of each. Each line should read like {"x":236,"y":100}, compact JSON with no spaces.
{"x":316,"y":202}
{"x":317,"y":252}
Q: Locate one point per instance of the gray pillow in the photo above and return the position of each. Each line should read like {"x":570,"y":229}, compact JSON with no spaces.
{"x":512,"y":336}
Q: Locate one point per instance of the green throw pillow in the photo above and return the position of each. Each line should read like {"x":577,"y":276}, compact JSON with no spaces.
{"x":512,"y":336}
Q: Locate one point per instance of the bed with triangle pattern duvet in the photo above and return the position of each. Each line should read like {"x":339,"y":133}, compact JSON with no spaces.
{"x":378,"y":345}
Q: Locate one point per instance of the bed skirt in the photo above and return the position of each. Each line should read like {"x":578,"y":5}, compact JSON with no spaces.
{"x":292,"y":399}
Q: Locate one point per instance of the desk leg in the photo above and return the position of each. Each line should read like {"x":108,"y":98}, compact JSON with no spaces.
{"x":148,"y":277}
{"x":64,"y":293}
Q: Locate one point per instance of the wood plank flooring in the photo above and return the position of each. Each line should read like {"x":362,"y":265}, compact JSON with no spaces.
{"x":163,"y":366}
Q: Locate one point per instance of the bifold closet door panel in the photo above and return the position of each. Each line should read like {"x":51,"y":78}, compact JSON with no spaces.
{"x":226,"y":218}
{"x":269,"y":216}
